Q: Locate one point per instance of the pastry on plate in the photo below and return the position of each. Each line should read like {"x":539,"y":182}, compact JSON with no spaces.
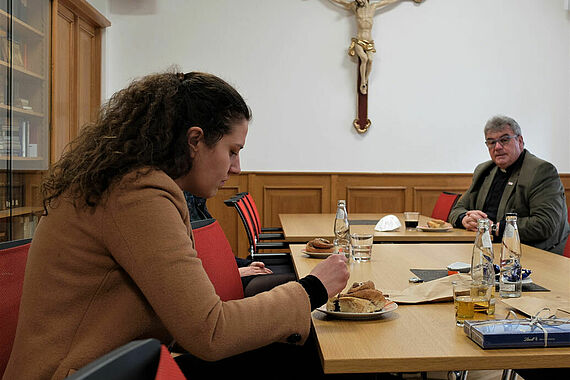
{"x":362,"y":297}
{"x":319,"y":245}
{"x":436,"y":223}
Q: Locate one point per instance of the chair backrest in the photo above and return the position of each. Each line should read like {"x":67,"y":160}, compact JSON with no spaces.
{"x":238,"y":203}
{"x":444,"y":204}
{"x":218,"y":259}
{"x":254,"y":211}
{"x":13,"y":256}
{"x":140,"y":359}
{"x":245,"y":210}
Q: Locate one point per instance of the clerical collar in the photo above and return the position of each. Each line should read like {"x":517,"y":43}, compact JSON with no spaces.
{"x":515,"y":164}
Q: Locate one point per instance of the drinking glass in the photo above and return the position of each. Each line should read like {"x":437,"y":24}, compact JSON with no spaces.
{"x":411,"y":219}
{"x":361,"y":246}
{"x":463,"y":301}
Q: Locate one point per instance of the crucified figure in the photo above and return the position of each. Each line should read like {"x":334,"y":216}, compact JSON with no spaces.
{"x":363,"y":44}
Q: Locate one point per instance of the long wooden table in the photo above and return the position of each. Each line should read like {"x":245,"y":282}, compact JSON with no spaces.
{"x":423,"y":337}
{"x":305,"y":227}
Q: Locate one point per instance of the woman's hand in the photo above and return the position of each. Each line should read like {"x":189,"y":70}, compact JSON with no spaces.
{"x":333,"y":273}
{"x":255,"y":268}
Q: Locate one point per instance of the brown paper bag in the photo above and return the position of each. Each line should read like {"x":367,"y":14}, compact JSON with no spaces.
{"x":439,"y":290}
{"x":532,"y":305}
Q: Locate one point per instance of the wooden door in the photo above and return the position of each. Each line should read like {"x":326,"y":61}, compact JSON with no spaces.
{"x":63,"y":83}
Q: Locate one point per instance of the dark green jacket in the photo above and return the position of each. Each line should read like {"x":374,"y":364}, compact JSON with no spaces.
{"x":534,"y":192}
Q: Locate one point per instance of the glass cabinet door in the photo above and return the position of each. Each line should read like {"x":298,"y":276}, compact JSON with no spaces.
{"x":24,"y":113}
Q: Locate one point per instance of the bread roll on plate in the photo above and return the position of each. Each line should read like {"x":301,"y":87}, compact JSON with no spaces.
{"x":436,"y":223}
{"x":360,"y":298}
{"x":319,"y":245}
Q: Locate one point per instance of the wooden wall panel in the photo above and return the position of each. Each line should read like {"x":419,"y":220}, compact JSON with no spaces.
{"x":290,"y":200}
{"x":373,"y":199}
{"x":276,"y":193}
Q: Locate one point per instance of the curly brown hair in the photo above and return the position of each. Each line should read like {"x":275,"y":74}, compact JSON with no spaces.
{"x":144,"y":125}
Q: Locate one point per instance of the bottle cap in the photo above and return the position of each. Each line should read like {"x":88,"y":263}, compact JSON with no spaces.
{"x":483,"y":222}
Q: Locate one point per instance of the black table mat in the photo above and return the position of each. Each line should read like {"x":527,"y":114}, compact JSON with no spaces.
{"x":362,"y":222}
{"x":433,"y":274}
{"x":429,"y":274}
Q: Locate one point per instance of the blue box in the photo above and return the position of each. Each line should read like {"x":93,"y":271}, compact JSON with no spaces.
{"x":519,"y":333}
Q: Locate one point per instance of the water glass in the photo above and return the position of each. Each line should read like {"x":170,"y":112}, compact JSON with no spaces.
{"x":361,"y":246}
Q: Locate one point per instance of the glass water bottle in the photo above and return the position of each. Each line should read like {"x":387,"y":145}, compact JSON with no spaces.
{"x":341,"y":230}
{"x":482,"y":269}
{"x":510,"y":279}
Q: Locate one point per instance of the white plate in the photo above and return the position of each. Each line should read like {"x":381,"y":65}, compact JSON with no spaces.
{"x":317,"y":255}
{"x":460,"y":267}
{"x":437,"y":229}
{"x":359,"y":316}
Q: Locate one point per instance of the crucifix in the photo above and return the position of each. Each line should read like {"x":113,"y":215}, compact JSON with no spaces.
{"x":363,"y":47}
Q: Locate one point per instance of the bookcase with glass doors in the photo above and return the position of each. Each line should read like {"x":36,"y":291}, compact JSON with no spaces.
{"x":24,"y":113}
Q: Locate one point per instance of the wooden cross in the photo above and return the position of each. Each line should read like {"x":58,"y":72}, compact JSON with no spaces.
{"x":362,"y":122}
{"x":362,"y":46}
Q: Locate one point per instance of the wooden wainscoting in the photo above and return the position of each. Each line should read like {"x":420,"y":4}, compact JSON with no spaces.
{"x":278,"y":193}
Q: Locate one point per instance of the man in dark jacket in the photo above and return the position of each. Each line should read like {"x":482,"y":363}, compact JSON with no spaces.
{"x":514,"y":180}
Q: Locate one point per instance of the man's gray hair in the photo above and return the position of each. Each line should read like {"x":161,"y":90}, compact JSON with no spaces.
{"x":499,"y":122}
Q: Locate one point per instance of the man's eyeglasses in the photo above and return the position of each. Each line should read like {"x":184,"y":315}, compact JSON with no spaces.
{"x":503,"y":140}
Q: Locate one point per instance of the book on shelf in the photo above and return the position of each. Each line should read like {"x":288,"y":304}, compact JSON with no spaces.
{"x":4,"y":50}
{"x":25,"y":55}
{"x":17,"y":58}
{"x":19,"y":49}
{"x":5,"y":128}
{"x":16,"y":188}
{"x":24,"y":103}
{"x":25,"y":137}
{"x":15,"y":140}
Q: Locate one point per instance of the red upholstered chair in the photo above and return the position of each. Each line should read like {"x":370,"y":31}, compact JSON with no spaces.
{"x":167,"y":367}
{"x":243,"y":203}
{"x":137,"y":360}
{"x":217,"y":258}
{"x":263,"y":232}
{"x":247,"y":209}
{"x":444,"y":204}
{"x":13,"y":256}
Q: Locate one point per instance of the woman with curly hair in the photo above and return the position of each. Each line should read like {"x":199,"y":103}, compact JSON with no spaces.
{"x":113,"y":258}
